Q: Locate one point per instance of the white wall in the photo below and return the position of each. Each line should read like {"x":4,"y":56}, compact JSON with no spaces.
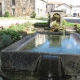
{"x":51,"y":7}
{"x":75,"y":10}
{"x":40,"y":8}
{"x":68,"y":9}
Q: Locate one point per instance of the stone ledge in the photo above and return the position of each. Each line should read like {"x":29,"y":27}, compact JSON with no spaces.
{"x":76,"y":36}
{"x":17,"y":45}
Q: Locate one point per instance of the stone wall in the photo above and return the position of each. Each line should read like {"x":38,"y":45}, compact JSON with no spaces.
{"x":70,"y":64}
{"x":16,"y":61}
{"x":22,"y":7}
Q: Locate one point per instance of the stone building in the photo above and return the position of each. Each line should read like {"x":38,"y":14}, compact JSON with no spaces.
{"x":22,"y":7}
{"x":18,"y":7}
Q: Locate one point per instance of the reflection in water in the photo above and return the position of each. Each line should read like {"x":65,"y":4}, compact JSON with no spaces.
{"x":39,"y":40}
{"x":54,"y":40}
{"x":36,"y":42}
{"x":53,"y":44}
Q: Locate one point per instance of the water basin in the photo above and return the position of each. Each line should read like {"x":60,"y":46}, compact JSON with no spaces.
{"x":55,"y":44}
{"x":24,"y":58}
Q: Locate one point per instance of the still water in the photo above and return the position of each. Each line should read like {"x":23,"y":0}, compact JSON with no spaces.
{"x":55,"y":44}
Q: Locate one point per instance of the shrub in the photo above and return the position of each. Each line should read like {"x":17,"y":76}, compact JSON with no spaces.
{"x":76,"y":24}
{"x":56,"y":17}
{"x":78,"y":28}
{"x":1,"y":44}
{"x":33,"y":15}
{"x":6,"y":14}
{"x":7,"y":37}
{"x":12,"y":34}
{"x":55,"y":24}
{"x":15,"y":36}
{"x":41,"y":24}
{"x":6,"y":40}
{"x":64,"y":22}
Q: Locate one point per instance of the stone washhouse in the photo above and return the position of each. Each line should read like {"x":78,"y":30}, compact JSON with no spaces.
{"x":51,"y":16}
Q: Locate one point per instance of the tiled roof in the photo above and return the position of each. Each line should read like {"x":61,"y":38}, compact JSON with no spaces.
{"x":54,"y":2}
{"x":64,"y":4}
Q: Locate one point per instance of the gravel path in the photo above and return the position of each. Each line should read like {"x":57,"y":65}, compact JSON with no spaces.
{"x":7,"y":23}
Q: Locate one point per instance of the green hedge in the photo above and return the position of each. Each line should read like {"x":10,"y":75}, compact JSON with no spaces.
{"x":44,"y":24}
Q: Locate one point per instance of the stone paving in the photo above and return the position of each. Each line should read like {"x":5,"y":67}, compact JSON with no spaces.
{"x":70,"y":29}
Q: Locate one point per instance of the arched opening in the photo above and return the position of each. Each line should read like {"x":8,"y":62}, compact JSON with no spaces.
{"x":56,"y":17}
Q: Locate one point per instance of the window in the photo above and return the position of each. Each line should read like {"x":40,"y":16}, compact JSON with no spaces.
{"x":13,"y":12}
{"x":13,"y":2}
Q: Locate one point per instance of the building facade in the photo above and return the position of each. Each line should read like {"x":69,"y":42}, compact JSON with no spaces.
{"x":24,"y":7}
{"x":52,"y":5}
{"x":18,"y":7}
{"x":75,"y":11}
{"x":40,"y":7}
{"x":59,"y":6}
{"x":65,"y":8}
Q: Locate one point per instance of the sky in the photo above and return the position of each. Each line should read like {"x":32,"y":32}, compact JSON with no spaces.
{"x":73,"y":2}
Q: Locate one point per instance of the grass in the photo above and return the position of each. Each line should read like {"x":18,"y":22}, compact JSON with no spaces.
{"x":69,"y":24}
{"x":45,"y":24}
